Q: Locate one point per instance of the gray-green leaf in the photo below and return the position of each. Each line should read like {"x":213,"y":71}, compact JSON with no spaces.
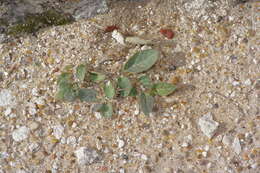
{"x":109,"y":90}
{"x":106,"y":109}
{"x":81,"y":72}
{"x":145,"y":81}
{"x":88,"y":95}
{"x":125,"y":86}
{"x":64,"y":78}
{"x":141,"y":61}
{"x":133,"y":92}
{"x":146,"y":103}
{"x":97,"y":77}
{"x":67,"y":92}
{"x":164,"y":89}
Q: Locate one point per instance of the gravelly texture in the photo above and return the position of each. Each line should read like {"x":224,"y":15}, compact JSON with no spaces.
{"x":215,"y":55}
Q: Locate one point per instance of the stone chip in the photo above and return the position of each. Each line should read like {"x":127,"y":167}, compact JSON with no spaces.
{"x":207,"y":125}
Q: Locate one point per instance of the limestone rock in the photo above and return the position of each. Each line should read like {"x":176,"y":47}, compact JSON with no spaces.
{"x":20,"y":134}
{"x":87,"y":156}
{"x":207,"y":125}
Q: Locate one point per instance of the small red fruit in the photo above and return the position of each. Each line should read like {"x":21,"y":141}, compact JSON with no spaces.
{"x":111,"y":28}
{"x":168,"y":33}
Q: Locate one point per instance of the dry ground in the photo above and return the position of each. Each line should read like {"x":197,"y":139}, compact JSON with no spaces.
{"x":215,"y":54}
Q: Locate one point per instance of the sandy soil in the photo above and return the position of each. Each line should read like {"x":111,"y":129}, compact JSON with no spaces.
{"x":213,"y":59}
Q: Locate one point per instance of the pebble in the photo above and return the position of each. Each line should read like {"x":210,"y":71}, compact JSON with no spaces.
{"x":33,"y":147}
{"x":118,"y":37}
{"x":32,"y":108}
{"x":185,"y":144}
{"x":33,"y":125}
{"x":120,"y":143}
{"x":20,"y":134}
{"x":71,"y":140}
{"x":236,"y":146}
{"x":8,"y":111}
{"x":6,"y":98}
{"x":87,"y":156}
{"x":121,"y":170}
{"x":235,"y":83}
{"x":207,"y":125}
{"x":227,"y":140}
{"x":144,"y":157}
{"x":204,"y":153}
{"x":58,"y":131}
{"x":248,"y":82}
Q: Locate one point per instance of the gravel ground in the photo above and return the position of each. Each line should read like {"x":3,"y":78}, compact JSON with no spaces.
{"x":210,"y":124}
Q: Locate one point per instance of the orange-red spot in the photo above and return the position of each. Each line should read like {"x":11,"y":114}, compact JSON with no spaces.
{"x":168,"y":33}
{"x":111,"y":28}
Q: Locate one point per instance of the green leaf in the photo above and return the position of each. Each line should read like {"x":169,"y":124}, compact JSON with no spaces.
{"x":109,"y":90}
{"x":125,"y":86}
{"x":141,"y":61}
{"x":64,"y":78}
{"x":164,"y":89}
{"x":81,"y":72}
{"x":97,"y":77}
{"x":133,"y":92}
{"x":87,"y":95}
{"x":106,"y":109}
{"x":145,"y":81}
{"x":146,"y":103}
{"x":67,"y":92}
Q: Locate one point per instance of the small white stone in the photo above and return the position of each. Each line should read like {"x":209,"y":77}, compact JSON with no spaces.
{"x":32,"y":108}
{"x":144,"y":157}
{"x":58,"y":131}
{"x":120,"y":143}
{"x":207,"y":125}
{"x":98,"y":115}
{"x":235,"y":83}
{"x":189,"y":138}
{"x":248,"y":82}
{"x":6,"y":98}
{"x":86,"y":156}
{"x":185,"y":144}
{"x":4,"y":155}
{"x":206,"y":148}
{"x":236,"y":146}
{"x":8,"y":111}
{"x":71,"y":140}
{"x":227,"y":140}
{"x":35,"y":92}
{"x":204,"y":153}
{"x":33,"y":125}
{"x":20,"y":134}
{"x":74,"y":125}
{"x":254,"y":166}
{"x":33,"y":147}
{"x":40,"y":101}
{"x":118,"y":37}
{"x":63,"y":140}
{"x":121,"y":170}
{"x":145,"y":47}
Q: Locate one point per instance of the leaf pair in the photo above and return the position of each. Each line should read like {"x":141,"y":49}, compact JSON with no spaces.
{"x":81,"y":72}
{"x":146,"y":101}
{"x":69,"y":91}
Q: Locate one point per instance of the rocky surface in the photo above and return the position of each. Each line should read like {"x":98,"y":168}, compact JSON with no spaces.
{"x":14,"y":12}
{"x":213,"y":59}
